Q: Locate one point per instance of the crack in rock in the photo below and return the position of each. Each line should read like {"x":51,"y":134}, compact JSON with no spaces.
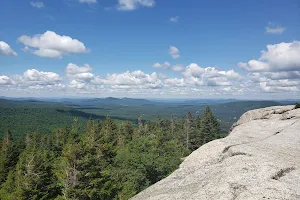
{"x":283,"y":172}
{"x":236,"y":190}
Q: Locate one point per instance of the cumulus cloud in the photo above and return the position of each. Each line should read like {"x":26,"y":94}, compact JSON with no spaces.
{"x":73,"y":69}
{"x":194,"y":81}
{"x":164,"y":65}
{"x":273,"y":28}
{"x":209,"y":76}
{"x":175,"y":82}
{"x":79,"y":76}
{"x":135,"y":79}
{"x":52,"y":45}
{"x":128,"y":5}
{"x":178,"y":68}
{"x":274,"y":82}
{"x":174,"y":52}
{"x":254,"y":77}
{"x":265,"y":86}
{"x":88,"y":1}
{"x":277,"y":70}
{"x":193,"y":70}
{"x":283,"y":75}
{"x":82,"y":78}
{"x":37,"y":4}
{"x":32,"y":79}
{"x":50,"y":53}
{"x":174,"y":19}
{"x":33,"y":76}
{"x":5,"y":49}
{"x":277,"y":57}
{"x":77,"y":85}
{"x":282,"y":83}
{"x":5,"y":80}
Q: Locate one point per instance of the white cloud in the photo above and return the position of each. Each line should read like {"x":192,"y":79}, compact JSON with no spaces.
{"x":193,"y":70}
{"x":195,"y":81}
{"x":79,"y":76}
{"x":282,"y":83}
{"x":175,"y":82}
{"x":34,"y":76}
{"x":227,"y":89}
{"x":174,"y":19}
{"x":135,"y":79}
{"x":162,"y":76}
{"x":277,"y":70}
{"x":218,"y":81}
{"x":164,"y":65}
{"x":265,"y":86}
{"x":37,"y":4}
{"x":273,"y":28}
{"x":52,"y":45}
{"x":5,"y":80}
{"x":88,"y":1}
{"x":255,"y":77}
{"x":174,"y":52}
{"x":5,"y":49}
{"x":242,"y":65}
{"x":49,"y":53}
{"x":283,"y":75}
{"x":277,"y":57}
{"x":128,"y":5}
{"x":73,"y":69}
{"x":178,"y":68}
{"x":231,"y":74}
{"x":32,"y":79}
{"x":209,"y":76}
{"x":77,"y":84}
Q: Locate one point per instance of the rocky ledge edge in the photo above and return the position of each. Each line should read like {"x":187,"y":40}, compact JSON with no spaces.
{"x":259,"y":159}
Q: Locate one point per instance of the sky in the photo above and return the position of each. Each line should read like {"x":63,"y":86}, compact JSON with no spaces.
{"x":150,"y":48}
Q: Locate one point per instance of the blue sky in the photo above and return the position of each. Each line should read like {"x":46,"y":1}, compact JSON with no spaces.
{"x":214,"y":42}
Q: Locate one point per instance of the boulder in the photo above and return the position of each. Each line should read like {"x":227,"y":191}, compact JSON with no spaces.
{"x":259,"y":159}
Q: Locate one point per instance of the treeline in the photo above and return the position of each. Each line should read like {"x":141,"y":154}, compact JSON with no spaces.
{"x":106,"y":161}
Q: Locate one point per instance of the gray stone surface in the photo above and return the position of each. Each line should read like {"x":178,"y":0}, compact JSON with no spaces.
{"x":260,"y":159}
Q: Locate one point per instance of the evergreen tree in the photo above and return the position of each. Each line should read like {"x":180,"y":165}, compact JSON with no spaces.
{"x":188,"y":128}
{"x":134,"y":166}
{"x":197,"y":138}
{"x":83,"y":169}
{"x":210,"y":127}
{"x":32,"y":178}
{"x":106,"y":161}
{"x":8,"y":155}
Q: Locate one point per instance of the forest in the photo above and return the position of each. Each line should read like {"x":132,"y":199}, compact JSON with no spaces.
{"x":26,"y":115}
{"x":106,"y":160}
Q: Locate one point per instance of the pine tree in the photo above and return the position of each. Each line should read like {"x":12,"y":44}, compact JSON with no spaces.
{"x":188,"y":128}
{"x":33,"y":177}
{"x":83,"y":169}
{"x":126,"y":133}
{"x":8,"y":156}
{"x":69,"y":169}
{"x":197,"y":136}
{"x":210,"y":126}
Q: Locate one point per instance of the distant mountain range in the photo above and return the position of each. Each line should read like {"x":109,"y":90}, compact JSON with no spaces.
{"x":136,"y":102}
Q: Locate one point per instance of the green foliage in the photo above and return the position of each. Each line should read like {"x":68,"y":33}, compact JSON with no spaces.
{"x":10,"y":151}
{"x":107,"y":160}
{"x":297,"y":105}
{"x":32,"y":177}
{"x":22,"y":117}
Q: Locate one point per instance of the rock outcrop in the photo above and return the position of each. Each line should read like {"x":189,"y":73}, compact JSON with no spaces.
{"x":259,"y":159}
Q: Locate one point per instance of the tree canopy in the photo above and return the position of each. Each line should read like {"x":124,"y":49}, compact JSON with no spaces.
{"x":107,"y":160}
